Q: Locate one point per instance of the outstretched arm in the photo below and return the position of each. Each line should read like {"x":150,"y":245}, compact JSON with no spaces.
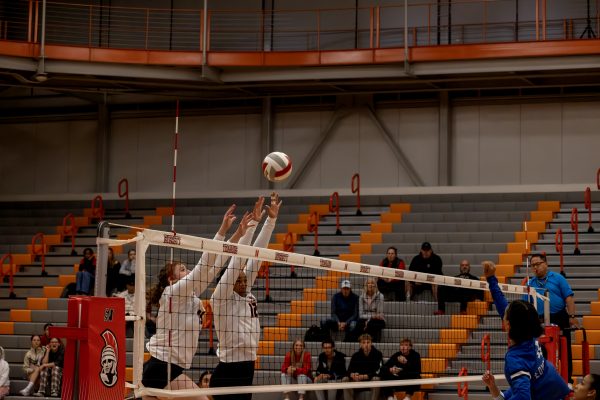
{"x":489,"y":270}
{"x":264,"y":237}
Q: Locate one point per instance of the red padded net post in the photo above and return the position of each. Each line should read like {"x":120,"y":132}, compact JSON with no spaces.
{"x":39,"y":249}
{"x":10,"y":273}
{"x":551,"y":341}
{"x":334,"y":206}
{"x":124,"y":192}
{"x":564,"y":358}
{"x":355,"y":186}
{"x":312,"y":225}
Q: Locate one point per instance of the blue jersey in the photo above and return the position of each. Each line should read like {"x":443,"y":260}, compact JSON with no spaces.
{"x":530,"y":375}
{"x":558,"y":290}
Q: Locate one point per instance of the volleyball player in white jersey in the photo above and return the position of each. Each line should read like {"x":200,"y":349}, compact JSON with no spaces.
{"x":235,"y":310}
{"x":178,"y":325}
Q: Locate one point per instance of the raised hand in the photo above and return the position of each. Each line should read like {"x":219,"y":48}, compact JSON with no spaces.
{"x":258,"y":212}
{"x":273,"y":208}
{"x":489,"y":268}
{"x":246,"y":222}
{"x":228,"y":220}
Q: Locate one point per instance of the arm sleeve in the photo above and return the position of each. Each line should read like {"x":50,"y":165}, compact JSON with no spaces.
{"x":499,"y":299}
{"x":4,"y":373}
{"x":520,"y":388}
{"x":262,"y":240}
{"x":286,"y":363}
{"x":224,"y":288}
{"x":565,"y":288}
{"x":207,"y":268}
{"x":414,"y":365}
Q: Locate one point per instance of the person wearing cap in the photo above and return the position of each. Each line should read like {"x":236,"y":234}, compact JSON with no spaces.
{"x":426,"y":262}
{"x":344,"y":312}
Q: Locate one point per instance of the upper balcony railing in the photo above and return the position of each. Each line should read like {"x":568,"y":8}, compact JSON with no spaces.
{"x":378,"y":27}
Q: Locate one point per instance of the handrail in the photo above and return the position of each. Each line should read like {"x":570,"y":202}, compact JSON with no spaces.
{"x":587,"y":198}
{"x":98,"y":211}
{"x":312,"y":224}
{"x":463,"y":387}
{"x":486,"y":351}
{"x":575,"y":228}
{"x":10,"y":273}
{"x":558,"y":245}
{"x":126,"y":195}
{"x":70,"y":230}
{"x":334,"y":206}
{"x":41,"y":251}
{"x":355,"y":186}
{"x":598,"y":179}
{"x":288,"y":245}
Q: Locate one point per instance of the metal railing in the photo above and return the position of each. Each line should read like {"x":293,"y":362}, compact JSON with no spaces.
{"x":431,"y":24}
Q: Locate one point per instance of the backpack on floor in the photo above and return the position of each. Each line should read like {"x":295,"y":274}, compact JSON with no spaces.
{"x":315,"y":334}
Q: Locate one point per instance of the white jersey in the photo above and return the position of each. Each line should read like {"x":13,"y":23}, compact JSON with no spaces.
{"x":236,"y":317}
{"x":177,"y":322}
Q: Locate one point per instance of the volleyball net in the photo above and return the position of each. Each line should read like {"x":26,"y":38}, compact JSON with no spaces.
{"x":212,"y":315}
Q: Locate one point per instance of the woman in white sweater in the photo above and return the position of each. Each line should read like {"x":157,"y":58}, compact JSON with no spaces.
{"x":31,"y":364}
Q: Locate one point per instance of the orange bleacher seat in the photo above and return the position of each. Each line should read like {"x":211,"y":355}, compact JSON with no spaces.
{"x":350,"y":257}
{"x":153,"y":220}
{"x":289,"y":320}
{"x":7,"y":328}
{"x":381,"y":227}
{"x":516,"y":247}
{"x":553,"y":206}
{"x":371,"y":237}
{"x":545,"y":216}
{"x":442,"y":350}
{"x":595,"y":307}
{"x":275,"y":333}
{"x":532,"y":237}
{"x":434,"y":365}
{"x":321,"y":209}
{"x":37,"y":303}
{"x":593,"y":336}
{"x":326,"y":282}
{"x":464,"y":321}
{"x":313,"y":294}
{"x":20,"y":315}
{"x":53,"y":292}
{"x":454,"y":335}
{"x":510,"y":258}
{"x":391,"y":217}
{"x":400,"y":207}
{"x":266,"y":347}
{"x":302,"y":307}
{"x":164,"y":211}
{"x":64,"y":280}
{"x":535,"y":226}
{"x":591,"y":322}
{"x":360,"y":248}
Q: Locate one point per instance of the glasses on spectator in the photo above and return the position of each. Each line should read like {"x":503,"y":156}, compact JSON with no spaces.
{"x":537,"y":264}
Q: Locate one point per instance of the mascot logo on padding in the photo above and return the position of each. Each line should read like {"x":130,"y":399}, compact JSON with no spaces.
{"x":109,"y":359}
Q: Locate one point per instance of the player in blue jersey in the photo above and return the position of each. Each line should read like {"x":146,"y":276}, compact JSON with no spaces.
{"x":528,"y":373}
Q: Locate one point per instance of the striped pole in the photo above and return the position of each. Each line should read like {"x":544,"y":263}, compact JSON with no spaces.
{"x":175,"y":167}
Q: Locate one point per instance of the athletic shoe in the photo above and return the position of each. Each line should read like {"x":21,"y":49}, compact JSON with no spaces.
{"x":25,"y":392}
{"x":54,"y":394}
{"x":38,"y":394}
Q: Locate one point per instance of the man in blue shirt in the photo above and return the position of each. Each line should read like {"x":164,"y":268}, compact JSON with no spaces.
{"x":562,"y":301}
{"x":344,"y":312}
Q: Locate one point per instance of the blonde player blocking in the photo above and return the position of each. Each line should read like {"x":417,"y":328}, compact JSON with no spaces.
{"x":178,"y":325}
{"x":235,"y":310}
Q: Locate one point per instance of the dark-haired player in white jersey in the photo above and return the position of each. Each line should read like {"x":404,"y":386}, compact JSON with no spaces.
{"x":235,"y":310}
{"x":173,"y":346}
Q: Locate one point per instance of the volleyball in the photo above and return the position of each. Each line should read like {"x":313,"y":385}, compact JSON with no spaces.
{"x":277,"y":166}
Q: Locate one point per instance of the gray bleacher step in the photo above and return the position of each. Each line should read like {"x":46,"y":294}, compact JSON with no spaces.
{"x":448,"y":237}
{"x":457,"y":227}
{"x":455,"y":258}
{"x":440,"y":248}
{"x":329,"y":239}
{"x":471,"y":216}
{"x":488,"y":206}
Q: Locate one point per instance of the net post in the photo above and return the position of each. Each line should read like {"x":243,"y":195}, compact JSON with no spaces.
{"x":140,"y":310}
{"x":103,"y":231}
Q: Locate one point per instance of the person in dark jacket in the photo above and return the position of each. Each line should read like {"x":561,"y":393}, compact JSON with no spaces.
{"x":392,"y":289}
{"x":52,"y":369}
{"x":405,"y":364}
{"x":84,"y":279}
{"x":365,"y":365}
{"x":462,"y":295}
{"x":331,"y":367}
{"x":426,"y":262}
{"x":344,"y":312}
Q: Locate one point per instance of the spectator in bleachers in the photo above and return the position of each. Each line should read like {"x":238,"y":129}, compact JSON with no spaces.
{"x":392,"y":289}
{"x":112,"y":273}
{"x":331,"y":367}
{"x":405,"y":364}
{"x":462,"y":295}
{"x":365,"y":365}
{"x":296,"y":368}
{"x":128,"y":294}
{"x":429,"y":263}
{"x":588,"y":388}
{"x":370,"y":311}
{"x":4,"y":376}
{"x":205,"y":379}
{"x":344,"y":312}
{"x":127,"y":269}
{"x":562,"y":300}
{"x":51,"y":368}
{"x":84,"y":279}
{"x":45,"y":337}
{"x":31,"y":364}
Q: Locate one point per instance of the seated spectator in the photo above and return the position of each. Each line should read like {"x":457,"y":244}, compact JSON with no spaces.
{"x":128,"y":295}
{"x":429,"y":263}
{"x":112,"y":274}
{"x":84,"y":279}
{"x":45,"y":338}
{"x":370,"y":311}
{"x":405,"y":364}
{"x":331,"y":367}
{"x":296,"y":368}
{"x":31,"y":365}
{"x":4,"y":376}
{"x":392,"y":289}
{"x":127,"y":269}
{"x":462,"y":295}
{"x":344,"y":312}
{"x":51,"y":368}
{"x":365,"y":365}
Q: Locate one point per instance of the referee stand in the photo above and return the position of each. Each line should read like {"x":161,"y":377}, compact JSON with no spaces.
{"x":94,"y":365}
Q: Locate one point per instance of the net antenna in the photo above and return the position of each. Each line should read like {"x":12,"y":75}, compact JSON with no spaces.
{"x":148,"y":239}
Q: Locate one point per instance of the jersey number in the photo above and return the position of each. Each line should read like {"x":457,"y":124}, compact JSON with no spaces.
{"x":253,"y":309}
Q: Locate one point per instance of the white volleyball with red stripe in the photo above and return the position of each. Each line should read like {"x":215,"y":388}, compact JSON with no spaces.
{"x":277,"y":166}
